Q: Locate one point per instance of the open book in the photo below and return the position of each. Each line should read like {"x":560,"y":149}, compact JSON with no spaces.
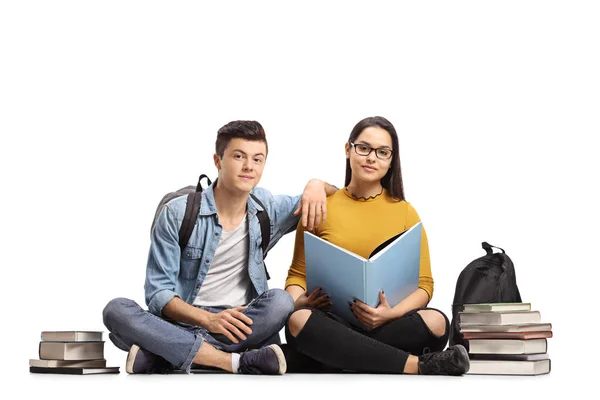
{"x":392,"y":267}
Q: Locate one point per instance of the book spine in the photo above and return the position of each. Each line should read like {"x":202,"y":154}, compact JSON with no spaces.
{"x":365,"y":281}
{"x":545,"y":346}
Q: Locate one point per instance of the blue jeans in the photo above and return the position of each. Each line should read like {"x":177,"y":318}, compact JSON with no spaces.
{"x":178,"y":343}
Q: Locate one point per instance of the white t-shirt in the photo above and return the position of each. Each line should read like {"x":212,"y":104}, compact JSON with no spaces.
{"x":227,"y":283}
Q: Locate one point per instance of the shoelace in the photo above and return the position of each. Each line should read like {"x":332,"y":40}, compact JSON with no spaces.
{"x":434,"y":367}
{"x":246,"y":367}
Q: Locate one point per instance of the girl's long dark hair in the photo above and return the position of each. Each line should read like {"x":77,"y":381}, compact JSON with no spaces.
{"x":392,"y":180}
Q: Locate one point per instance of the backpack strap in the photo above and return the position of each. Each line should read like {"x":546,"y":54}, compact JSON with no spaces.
{"x":265,"y":230}
{"x":488,"y":248}
{"x":192,"y":209}
{"x":199,"y":185}
{"x":265,"y":225}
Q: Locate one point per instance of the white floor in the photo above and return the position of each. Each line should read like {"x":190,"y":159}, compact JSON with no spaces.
{"x":290,"y":386}
{"x":562,"y":381}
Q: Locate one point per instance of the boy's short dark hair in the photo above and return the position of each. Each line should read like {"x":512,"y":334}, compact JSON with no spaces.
{"x":247,"y":130}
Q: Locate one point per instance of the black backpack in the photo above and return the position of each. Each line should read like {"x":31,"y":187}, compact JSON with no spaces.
{"x":488,"y":279}
{"x":194,"y":197}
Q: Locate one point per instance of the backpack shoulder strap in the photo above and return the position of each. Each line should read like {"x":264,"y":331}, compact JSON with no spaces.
{"x":265,"y":230}
{"x":265,"y":225}
{"x":192,"y":209}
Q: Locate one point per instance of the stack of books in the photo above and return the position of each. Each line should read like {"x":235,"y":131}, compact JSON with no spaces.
{"x":71,"y":352}
{"x":505,"y":339}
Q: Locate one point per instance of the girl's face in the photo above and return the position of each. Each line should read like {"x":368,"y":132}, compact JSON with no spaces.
{"x":371,"y":155}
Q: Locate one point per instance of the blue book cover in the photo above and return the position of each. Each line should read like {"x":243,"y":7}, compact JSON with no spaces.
{"x":392,"y":267}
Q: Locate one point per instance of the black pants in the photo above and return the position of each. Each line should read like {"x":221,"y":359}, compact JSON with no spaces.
{"x":328,"y":343}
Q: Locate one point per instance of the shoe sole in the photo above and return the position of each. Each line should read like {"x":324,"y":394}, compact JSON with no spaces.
{"x":280,"y":358}
{"x":465,"y":356}
{"x":131,"y":358}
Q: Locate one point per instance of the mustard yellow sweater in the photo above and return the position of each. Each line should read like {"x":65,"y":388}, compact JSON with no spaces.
{"x":360,"y":225}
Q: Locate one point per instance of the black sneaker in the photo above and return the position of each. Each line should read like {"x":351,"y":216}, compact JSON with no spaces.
{"x":140,"y":361}
{"x":452,"y":361}
{"x":268,"y":360}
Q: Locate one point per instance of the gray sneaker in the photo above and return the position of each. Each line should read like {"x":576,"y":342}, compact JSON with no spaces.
{"x":452,"y":361}
{"x":268,"y":360}
{"x":140,"y":361}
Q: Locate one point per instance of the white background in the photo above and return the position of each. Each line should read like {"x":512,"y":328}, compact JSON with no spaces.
{"x":106,"y":106}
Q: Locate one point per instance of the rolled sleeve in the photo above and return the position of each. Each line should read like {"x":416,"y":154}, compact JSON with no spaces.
{"x":159,"y":300}
{"x":162,"y":268}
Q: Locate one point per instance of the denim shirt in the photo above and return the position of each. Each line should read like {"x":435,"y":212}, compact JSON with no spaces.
{"x":171,"y":272}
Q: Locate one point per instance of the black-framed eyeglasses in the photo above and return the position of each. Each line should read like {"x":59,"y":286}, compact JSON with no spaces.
{"x":383,"y":153}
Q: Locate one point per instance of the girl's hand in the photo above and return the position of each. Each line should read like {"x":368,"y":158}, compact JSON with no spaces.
{"x":314,"y":300}
{"x":373,"y":317}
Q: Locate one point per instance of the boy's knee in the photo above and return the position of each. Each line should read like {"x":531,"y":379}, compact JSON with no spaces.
{"x":114,"y":309}
{"x":281,"y":302}
{"x":298,"y":320}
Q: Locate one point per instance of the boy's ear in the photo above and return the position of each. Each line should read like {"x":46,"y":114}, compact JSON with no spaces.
{"x":217,"y":161}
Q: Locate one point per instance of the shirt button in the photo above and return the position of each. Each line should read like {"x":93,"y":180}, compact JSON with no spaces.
{"x":207,"y":260}
{"x":216,"y":233}
{"x":188,"y":254}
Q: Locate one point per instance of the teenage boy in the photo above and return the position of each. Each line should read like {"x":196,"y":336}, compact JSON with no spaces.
{"x":209,"y":303}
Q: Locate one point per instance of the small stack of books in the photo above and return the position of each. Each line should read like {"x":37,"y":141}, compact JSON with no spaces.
{"x":71,"y":352}
{"x":505,"y":339}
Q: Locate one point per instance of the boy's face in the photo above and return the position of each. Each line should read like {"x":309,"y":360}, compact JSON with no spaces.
{"x":242,"y":164}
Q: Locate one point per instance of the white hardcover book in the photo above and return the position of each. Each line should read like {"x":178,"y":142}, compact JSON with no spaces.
{"x":507,"y":346}
{"x":72,"y":336}
{"x":499,"y":318}
{"x":509,"y":367}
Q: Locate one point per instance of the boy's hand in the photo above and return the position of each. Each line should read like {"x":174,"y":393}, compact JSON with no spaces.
{"x":229,"y":322}
{"x":313,"y":204}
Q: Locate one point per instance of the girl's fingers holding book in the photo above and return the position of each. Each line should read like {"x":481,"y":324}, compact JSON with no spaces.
{"x":320,"y":301}
{"x":359,"y":312}
{"x":364,"y":321}
{"x":362,"y":306}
